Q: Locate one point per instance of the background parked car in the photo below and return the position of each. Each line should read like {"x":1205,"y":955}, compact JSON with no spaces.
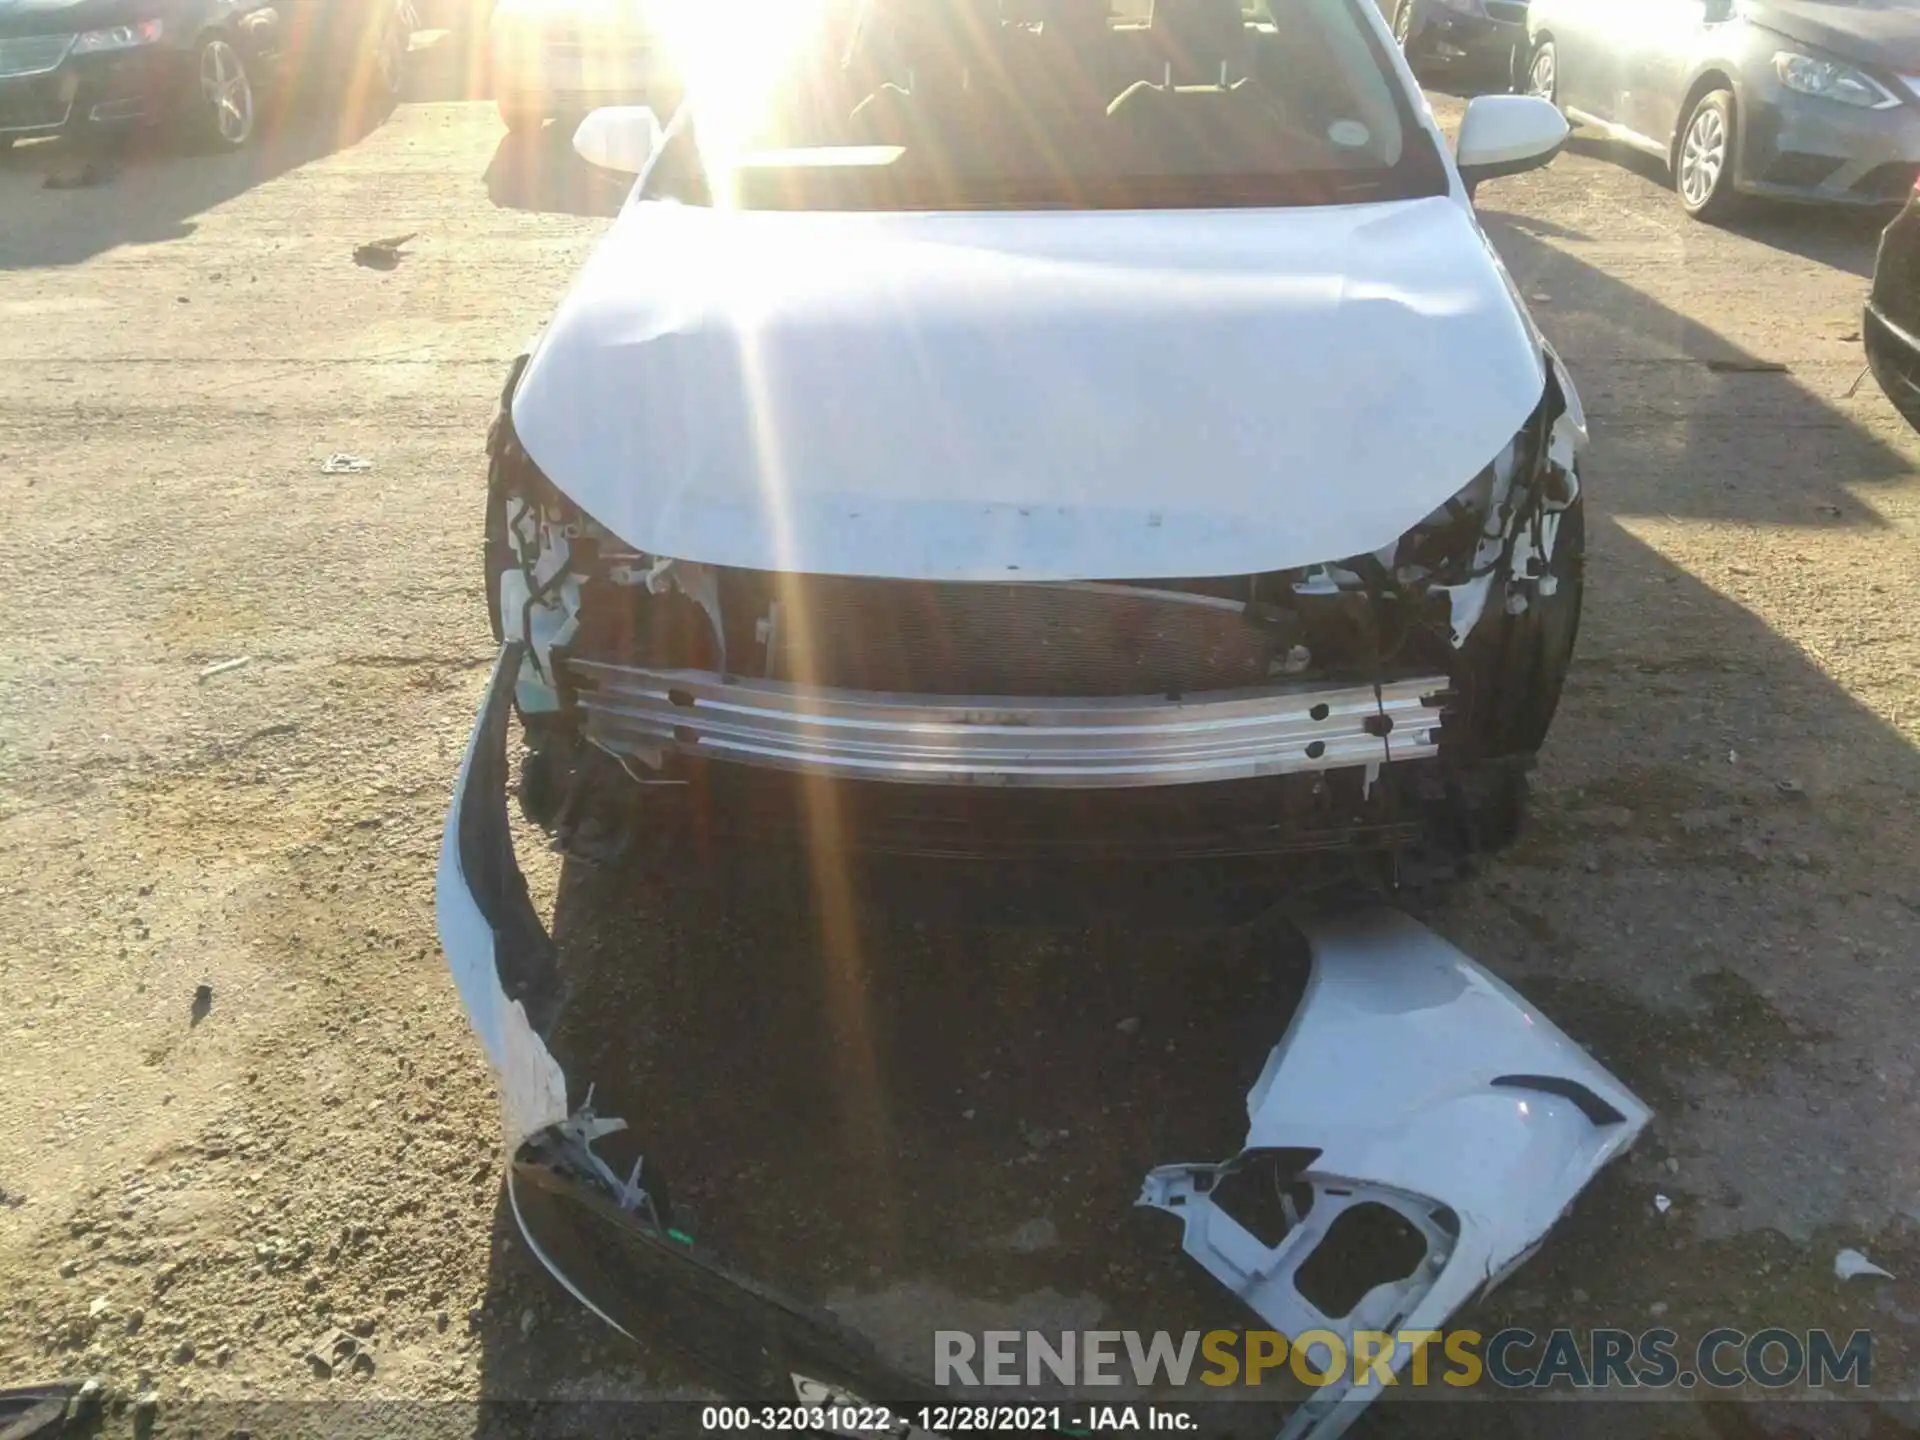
{"x":1484,"y":34}
{"x":566,"y":57}
{"x":76,"y":65}
{"x":1892,"y":325}
{"x":1794,"y":99}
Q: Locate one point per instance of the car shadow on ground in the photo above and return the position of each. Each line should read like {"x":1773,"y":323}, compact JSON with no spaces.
{"x":1836,"y":236}
{"x":1841,"y":239}
{"x":936,"y":1125}
{"x":149,"y":186}
{"x":539,"y":171}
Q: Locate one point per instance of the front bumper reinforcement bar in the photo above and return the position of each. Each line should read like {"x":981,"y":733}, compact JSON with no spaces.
{"x":1088,"y":743}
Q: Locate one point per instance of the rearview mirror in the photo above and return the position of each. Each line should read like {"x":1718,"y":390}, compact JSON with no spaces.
{"x":618,"y":137}
{"x":1506,"y":135}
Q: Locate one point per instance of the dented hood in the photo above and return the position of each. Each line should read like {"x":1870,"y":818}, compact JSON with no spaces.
{"x":1048,"y":395}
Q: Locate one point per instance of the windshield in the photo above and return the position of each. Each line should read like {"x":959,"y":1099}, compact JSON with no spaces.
{"x":967,"y":104}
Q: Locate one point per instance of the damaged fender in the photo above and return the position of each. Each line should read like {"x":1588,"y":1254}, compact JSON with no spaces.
{"x":1424,"y":1086}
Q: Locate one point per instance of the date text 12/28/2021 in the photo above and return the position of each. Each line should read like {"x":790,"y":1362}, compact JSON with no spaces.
{"x":878,"y":1420}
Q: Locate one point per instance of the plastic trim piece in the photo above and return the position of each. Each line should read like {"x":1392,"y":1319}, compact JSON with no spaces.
{"x":1429,"y":1088}
{"x":501,"y":956}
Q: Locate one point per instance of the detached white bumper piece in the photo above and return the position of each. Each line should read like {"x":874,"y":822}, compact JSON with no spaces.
{"x":1425,"y":1087}
{"x":499,"y":952}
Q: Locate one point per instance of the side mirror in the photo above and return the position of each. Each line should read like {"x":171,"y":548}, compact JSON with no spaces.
{"x":618,"y":137}
{"x":1507,"y":135}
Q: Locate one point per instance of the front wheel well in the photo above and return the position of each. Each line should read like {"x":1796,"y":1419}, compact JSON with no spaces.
{"x":1704,"y":84}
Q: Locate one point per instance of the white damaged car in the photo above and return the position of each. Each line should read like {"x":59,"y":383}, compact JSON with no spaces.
{"x":1066,"y":439}
{"x":1028,"y":434}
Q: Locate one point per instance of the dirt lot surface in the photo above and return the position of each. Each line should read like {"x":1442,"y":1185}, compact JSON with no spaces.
{"x":239,"y":1102}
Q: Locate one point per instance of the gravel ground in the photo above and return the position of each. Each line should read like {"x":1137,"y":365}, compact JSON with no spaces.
{"x":240,"y":1104}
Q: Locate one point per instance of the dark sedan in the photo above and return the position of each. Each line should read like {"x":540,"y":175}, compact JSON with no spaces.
{"x":1813,"y":100}
{"x":69,"y":66}
{"x":1482,"y":34}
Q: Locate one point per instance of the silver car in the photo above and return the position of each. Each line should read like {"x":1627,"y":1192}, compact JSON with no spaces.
{"x":1790,"y":99}
{"x":562,"y":58}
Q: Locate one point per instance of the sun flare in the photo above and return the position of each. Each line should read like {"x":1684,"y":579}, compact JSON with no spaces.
{"x":731,"y":58}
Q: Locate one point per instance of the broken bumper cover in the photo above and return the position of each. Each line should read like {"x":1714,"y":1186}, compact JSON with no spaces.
{"x":599,"y":1237}
{"x":1424,"y":1086}
{"x":1060,"y":743}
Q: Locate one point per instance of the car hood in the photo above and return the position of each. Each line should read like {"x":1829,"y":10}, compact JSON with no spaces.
{"x":1871,"y":32}
{"x":1035,"y":395}
{"x":66,"y":17}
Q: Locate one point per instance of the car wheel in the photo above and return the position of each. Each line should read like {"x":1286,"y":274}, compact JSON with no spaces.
{"x":1543,"y":73}
{"x":1703,"y":169}
{"x":222,"y":109}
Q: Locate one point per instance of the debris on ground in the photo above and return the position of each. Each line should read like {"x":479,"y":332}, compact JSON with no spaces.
{"x":202,"y":1004}
{"x":1748,"y":367}
{"x":341,"y":463}
{"x":339,"y":1352}
{"x":1662,"y":1204}
{"x":86,"y":1401}
{"x":226,"y":665}
{"x":1038,"y":1137}
{"x":76,"y":177}
{"x":1033,"y":1236}
{"x":382,"y":254}
{"x":1851,"y":1263}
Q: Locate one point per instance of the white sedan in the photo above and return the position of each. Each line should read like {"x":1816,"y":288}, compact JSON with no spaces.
{"x":1016,"y":435}
{"x":562,"y":58}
